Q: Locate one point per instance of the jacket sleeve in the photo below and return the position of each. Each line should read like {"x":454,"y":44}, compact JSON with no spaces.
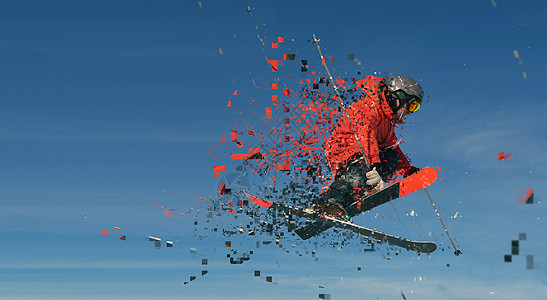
{"x":366,"y":127}
{"x":404,"y":165}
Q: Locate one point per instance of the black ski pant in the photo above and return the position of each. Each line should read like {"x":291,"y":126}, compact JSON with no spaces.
{"x":351,"y":182}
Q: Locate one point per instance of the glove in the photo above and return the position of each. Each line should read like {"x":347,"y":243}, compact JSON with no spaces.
{"x":374,"y":179}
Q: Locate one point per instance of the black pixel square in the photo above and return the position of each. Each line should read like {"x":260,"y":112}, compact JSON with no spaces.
{"x":515,"y":247}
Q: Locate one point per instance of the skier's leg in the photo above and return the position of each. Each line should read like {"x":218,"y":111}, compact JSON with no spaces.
{"x":348,"y":187}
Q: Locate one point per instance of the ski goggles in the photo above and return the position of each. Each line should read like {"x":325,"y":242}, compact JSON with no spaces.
{"x":413,"y":105}
{"x":413,"y":102}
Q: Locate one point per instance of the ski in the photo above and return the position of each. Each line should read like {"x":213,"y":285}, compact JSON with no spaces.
{"x":410,"y":184}
{"x":417,"y":181}
{"x":420,"y":247}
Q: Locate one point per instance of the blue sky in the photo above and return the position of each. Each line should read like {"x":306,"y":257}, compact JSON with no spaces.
{"x":107,"y":106}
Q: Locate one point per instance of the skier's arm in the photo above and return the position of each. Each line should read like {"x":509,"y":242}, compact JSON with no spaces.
{"x":404,"y":165}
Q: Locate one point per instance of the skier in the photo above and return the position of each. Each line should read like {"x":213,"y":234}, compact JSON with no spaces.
{"x":373,"y":119}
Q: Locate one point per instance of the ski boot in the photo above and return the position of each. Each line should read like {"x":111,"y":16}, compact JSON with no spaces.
{"x":332,"y":209}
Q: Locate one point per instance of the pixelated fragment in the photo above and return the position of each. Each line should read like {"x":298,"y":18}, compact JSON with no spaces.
{"x":304,"y":65}
{"x":122,"y":237}
{"x":274,"y":45}
{"x":157,"y":241}
{"x":522,"y":236}
{"x":169,"y":244}
{"x":403,"y":295}
{"x":507,"y":258}
{"x":229,"y":104}
{"x":223,"y":190}
{"x":192,"y":278}
{"x":217,"y":169}
{"x":204,"y":261}
{"x":254,"y":153}
{"x":116,"y":228}
{"x":200,"y":5}
{"x":324,"y":296}
{"x":515,"y":247}
{"x":233,"y":136}
{"x":235,"y":92}
{"x":220,"y":51}
{"x":274,"y":64}
{"x":494,"y":4}
{"x":228,"y":244}
{"x":269,"y":278}
{"x":193,"y":250}
{"x":280,"y":39}
{"x":257,"y":273}
{"x":105,"y":231}
{"x":204,"y":272}
{"x":504,"y":156}
{"x":524,"y":75}
{"x":528,"y":198}
{"x":289,"y":56}
{"x":529,"y":262}
{"x":268,"y":112}
{"x":168,"y":214}
{"x":351,"y":56}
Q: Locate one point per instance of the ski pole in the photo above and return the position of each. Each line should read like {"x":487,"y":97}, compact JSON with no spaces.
{"x":456,"y":252}
{"x":316,"y":42}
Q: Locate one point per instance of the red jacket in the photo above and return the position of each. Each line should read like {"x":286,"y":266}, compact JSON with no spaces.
{"x":371,"y":117}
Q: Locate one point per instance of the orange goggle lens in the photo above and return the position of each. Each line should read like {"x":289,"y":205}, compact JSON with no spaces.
{"x":413,"y":106}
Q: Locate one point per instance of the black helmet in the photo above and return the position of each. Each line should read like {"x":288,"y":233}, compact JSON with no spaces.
{"x":407,"y":90}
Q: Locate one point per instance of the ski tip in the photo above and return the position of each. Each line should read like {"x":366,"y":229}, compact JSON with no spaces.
{"x":418,"y":181}
{"x":258,"y":201}
{"x":427,"y":176}
{"x":424,"y":247}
